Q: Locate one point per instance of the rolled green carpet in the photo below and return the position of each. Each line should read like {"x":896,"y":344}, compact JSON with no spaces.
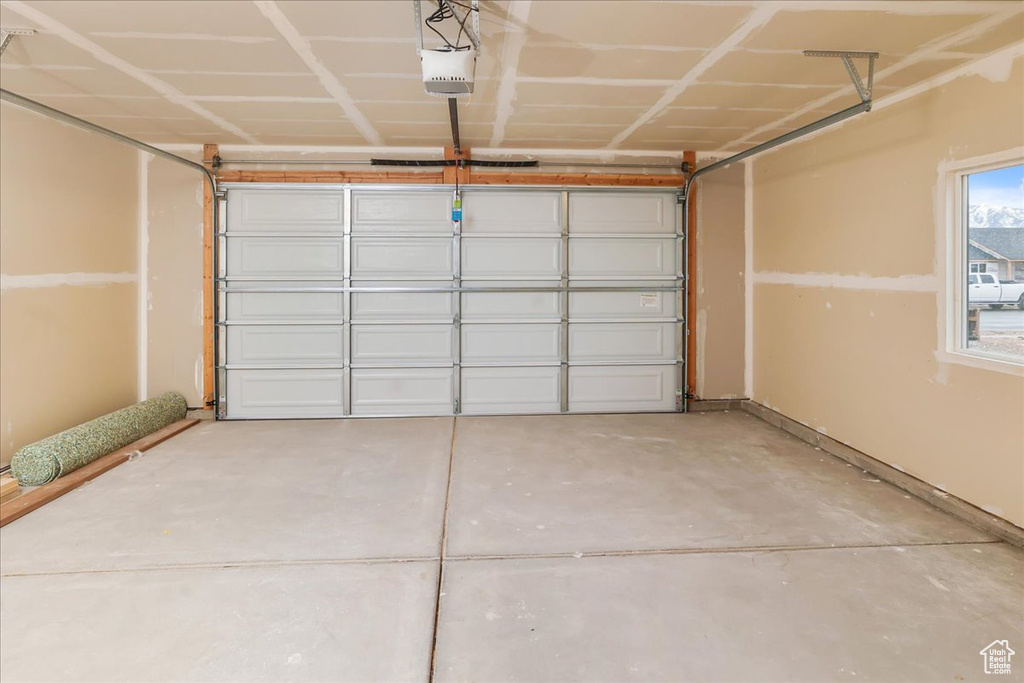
{"x":43,"y":461}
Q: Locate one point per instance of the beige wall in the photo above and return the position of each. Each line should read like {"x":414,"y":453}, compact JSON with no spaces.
{"x":720,"y":285}
{"x":862,"y":359}
{"x":68,"y":300}
{"x":174,"y":282}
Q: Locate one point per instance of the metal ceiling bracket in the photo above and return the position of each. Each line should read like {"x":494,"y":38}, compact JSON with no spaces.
{"x":863,"y":89}
{"x":471,"y":27}
{"x":418,"y":12}
{"x":471,"y":24}
{"x":6,"y":34}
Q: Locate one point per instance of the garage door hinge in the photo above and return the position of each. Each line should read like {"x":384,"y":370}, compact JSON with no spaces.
{"x":455,"y":406}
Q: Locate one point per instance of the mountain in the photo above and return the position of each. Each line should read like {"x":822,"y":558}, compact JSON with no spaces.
{"x":989,"y":216}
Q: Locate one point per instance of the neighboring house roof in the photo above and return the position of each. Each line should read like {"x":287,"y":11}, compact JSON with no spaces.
{"x":1003,"y":243}
{"x":976,"y":254}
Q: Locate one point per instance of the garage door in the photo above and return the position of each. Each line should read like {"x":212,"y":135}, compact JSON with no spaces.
{"x":354,"y":301}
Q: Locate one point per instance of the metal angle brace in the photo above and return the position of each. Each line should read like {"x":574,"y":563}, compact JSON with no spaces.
{"x":6,"y":34}
{"x":863,"y":89}
{"x":470,"y":24}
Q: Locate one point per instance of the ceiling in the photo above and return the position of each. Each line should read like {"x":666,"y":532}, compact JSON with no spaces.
{"x":626,"y":75}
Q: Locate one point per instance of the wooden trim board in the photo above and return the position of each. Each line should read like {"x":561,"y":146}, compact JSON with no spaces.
{"x":438,"y":178}
{"x":41,"y":495}
{"x":209,"y":206}
{"x":691,"y":286}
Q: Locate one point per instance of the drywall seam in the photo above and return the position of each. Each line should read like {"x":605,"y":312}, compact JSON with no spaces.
{"x":936,"y":47}
{"x":287,"y":99}
{"x":247,"y":40}
{"x":748,"y":279}
{"x":42,"y":281}
{"x":759,"y":17}
{"x":168,"y":91}
{"x":142,"y":353}
{"x":515,"y":39}
{"x":907,"y":7}
{"x":328,"y":80}
{"x":904,"y":283}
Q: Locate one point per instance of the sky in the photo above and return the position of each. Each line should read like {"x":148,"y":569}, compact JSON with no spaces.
{"x":1002,"y":187}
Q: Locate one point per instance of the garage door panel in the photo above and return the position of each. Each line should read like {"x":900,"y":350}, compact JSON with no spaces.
{"x":483,"y":343}
{"x":598,"y":305}
{"x":510,"y":305}
{"x":619,"y":388}
{"x":510,"y":211}
{"x":284,"y":211}
{"x":382,"y":212}
{"x":286,"y":345}
{"x":285,"y":393}
{"x":284,"y":307}
{"x":622,"y":341}
{"x":622,"y":212}
{"x":286,"y":352}
{"x":406,"y":344}
{"x":401,"y":258}
{"x":402,"y":391}
{"x":402,"y":305}
{"x":511,"y":258}
{"x":621,"y":258}
{"x":510,"y":390}
{"x":293,"y":257}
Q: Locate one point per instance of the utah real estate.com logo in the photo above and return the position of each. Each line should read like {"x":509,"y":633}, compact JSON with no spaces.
{"x":997,"y":657}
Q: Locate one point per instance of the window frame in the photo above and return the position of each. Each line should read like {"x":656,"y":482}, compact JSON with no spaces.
{"x":956,"y":312}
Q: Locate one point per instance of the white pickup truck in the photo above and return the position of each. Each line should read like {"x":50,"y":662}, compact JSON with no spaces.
{"x":986,"y":289}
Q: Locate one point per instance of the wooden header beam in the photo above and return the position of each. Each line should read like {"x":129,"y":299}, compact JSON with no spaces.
{"x":447,"y":177}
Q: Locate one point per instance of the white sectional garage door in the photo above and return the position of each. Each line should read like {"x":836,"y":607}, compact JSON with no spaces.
{"x":348,"y":301}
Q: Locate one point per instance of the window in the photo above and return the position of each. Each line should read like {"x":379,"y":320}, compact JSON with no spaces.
{"x":992,"y":263}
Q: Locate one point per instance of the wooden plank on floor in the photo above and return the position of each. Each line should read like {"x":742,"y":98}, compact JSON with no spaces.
{"x":8,"y":485}
{"x":37,"y":497}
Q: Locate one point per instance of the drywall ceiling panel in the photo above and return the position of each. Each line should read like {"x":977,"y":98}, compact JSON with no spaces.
{"x":713,"y":116}
{"x":560,"y":142}
{"x":164,"y":17}
{"x":539,"y":113}
{"x":87,"y":106}
{"x":203,"y":55}
{"x":749,"y":95}
{"x":920,"y":71}
{"x":41,"y":49}
{"x":742,"y":66}
{"x":408,"y":89}
{"x":282,"y":110}
{"x":87,"y":80}
{"x":344,"y":59}
{"x":886,"y":32}
{"x":314,"y":18}
{"x":284,"y":84}
{"x":324,"y":128}
{"x":310,"y":139}
{"x":557,"y":61}
{"x":578,"y":93}
{"x":568,"y":131}
{"x":1009,"y":32}
{"x":635,"y":22}
{"x":714,"y":136}
{"x":442,"y":129}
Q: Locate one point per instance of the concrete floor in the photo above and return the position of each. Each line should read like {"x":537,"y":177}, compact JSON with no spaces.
{"x":705,"y":547}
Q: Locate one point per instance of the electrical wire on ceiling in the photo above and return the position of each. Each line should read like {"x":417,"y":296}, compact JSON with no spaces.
{"x":443,"y":13}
